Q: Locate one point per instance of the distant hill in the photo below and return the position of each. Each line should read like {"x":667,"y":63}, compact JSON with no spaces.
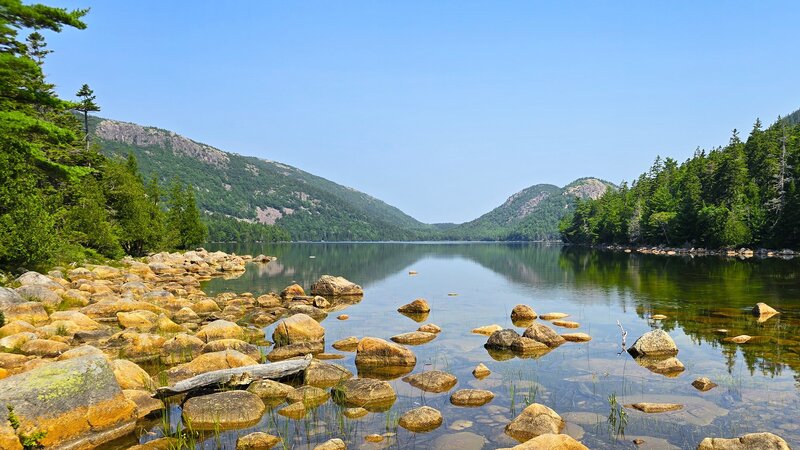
{"x":231,"y":187}
{"x":530,"y":214}
{"x":256,"y":190}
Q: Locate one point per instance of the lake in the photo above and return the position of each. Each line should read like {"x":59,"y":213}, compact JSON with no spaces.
{"x":586,"y":383}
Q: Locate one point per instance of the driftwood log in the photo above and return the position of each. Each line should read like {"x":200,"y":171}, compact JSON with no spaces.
{"x":238,"y":376}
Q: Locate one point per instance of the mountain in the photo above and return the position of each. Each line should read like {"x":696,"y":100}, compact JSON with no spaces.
{"x":255,"y":190}
{"x":231,"y":187}
{"x":530,"y":214}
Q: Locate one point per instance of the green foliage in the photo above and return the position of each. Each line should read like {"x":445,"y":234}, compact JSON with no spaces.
{"x":226,"y":229}
{"x":743,"y":194}
{"x":61,"y":200}
{"x":184,"y":226}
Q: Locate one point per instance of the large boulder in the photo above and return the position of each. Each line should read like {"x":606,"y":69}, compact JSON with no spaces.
{"x":543,"y":334}
{"x":551,"y":441}
{"x":502,"y":339}
{"x":39,"y":293}
{"x":654,"y":343}
{"x":76,"y":402}
{"x":297,"y":328}
{"x":130,"y":376}
{"x":533,"y":421}
{"x":751,"y":441}
{"x":330,"y":286}
{"x":36,"y":279}
{"x":31,"y":312}
{"x":223,"y":410}
{"x":9,"y":297}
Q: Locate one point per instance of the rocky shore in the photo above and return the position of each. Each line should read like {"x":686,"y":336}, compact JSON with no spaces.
{"x":741,"y":253}
{"x":87,"y":352}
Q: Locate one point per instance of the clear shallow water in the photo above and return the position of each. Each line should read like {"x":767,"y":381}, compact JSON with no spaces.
{"x":759,"y":382}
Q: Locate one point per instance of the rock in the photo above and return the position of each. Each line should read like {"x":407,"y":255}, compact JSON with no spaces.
{"x":523,"y":312}
{"x":670,"y":366}
{"x":551,"y":441}
{"x":751,"y":441}
{"x":430,"y":328}
{"x":413,"y":338}
{"x":41,"y":294}
{"x":31,"y":312}
{"x":347,"y":344}
{"x":655,"y":407}
{"x":233,"y":344}
{"x":527,"y":346}
{"x":374,"y":438}
{"x":76,"y":402}
{"x":332,"y":444}
{"x":421,"y":419}
{"x":11,"y":361}
{"x":257,"y":441}
{"x":576,"y":337}
{"x":223,"y":410}
{"x":15,"y":341}
{"x":294,"y":350}
{"x":330,"y":286}
{"x":320,"y":302}
{"x":654,"y":343}
{"x":342,"y":317}
{"x":270,"y":389}
{"x":80,"y":352}
{"x":481,"y":371}
{"x":36,"y":279}
{"x":143,"y":320}
{"x":367,"y":393}
{"x":292,"y":291}
{"x":315,"y":313}
{"x":502,"y":339}
{"x":471,"y":397}
{"x":535,"y":420}
{"x":418,"y":306}
{"x":165,"y":443}
{"x":553,"y":316}
{"x":464,"y":440}
{"x":566,"y":324}
{"x":658,"y":317}
{"x":487,"y":330}
{"x":208,"y":362}
{"x":145,"y":403}
{"x":764,"y":309}
{"x":108,"y":308}
{"x":355,"y":413}
{"x":181,"y":348}
{"x":310,"y":396}
{"x":82,"y":320}
{"x":44,"y":347}
{"x":294,"y":411}
{"x":220,"y":329}
{"x":325,"y":375}
{"x":61,"y":328}
{"x":297,"y":328}
{"x":9,"y":297}
{"x":205,"y":307}
{"x":130,"y":376}
{"x":17,"y":326}
{"x":543,"y":334}
{"x":377,"y":353}
{"x":141,"y":346}
{"x":703,"y":384}
{"x":432,"y":381}
{"x":741,"y":339}
{"x":165,"y":325}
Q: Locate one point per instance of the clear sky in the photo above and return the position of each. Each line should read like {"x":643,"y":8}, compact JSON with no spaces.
{"x":442,"y":109}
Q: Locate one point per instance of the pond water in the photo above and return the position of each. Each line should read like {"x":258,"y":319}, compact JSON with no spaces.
{"x":758,"y":381}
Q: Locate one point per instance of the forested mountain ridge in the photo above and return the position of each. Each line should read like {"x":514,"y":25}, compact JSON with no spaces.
{"x":257,"y":190}
{"x":531,"y":214}
{"x":746,"y":193}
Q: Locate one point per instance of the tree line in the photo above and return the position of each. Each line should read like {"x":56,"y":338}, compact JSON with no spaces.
{"x":743,"y":194}
{"x":60,"y":199}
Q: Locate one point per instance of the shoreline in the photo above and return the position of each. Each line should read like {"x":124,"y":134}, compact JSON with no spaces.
{"x":742,"y":253}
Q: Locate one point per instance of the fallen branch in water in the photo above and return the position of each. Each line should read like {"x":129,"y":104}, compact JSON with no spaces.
{"x":239,"y":376}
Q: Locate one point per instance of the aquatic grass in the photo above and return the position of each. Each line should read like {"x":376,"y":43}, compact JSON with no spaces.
{"x":617,"y":416}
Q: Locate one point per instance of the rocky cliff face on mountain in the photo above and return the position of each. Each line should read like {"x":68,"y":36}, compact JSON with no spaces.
{"x":244,"y":188}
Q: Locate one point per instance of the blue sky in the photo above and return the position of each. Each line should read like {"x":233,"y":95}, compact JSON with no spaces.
{"x":442,"y":109}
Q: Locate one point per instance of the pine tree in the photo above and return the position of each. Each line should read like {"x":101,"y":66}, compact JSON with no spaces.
{"x":86,"y":105}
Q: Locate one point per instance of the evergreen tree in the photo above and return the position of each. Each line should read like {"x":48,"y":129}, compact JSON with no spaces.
{"x":86,"y":105}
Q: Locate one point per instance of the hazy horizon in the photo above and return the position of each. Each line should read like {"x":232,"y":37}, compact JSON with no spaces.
{"x":442,"y":110}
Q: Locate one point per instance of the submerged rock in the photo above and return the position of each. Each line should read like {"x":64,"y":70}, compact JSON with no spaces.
{"x":553,"y":316}
{"x":421,"y":419}
{"x":670,"y":366}
{"x":704,"y":384}
{"x":741,"y":339}
{"x":225,"y":410}
{"x":413,"y":338}
{"x":432,"y":381}
{"x":471,"y":397}
{"x":751,"y":441}
{"x":650,"y":408}
{"x":347,"y":344}
{"x":576,"y":337}
{"x":654,"y":343}
{"x":535,"y":420}
{"x":332,"y":444}
{"x":487,"y":330}
{"x":257,"y":441}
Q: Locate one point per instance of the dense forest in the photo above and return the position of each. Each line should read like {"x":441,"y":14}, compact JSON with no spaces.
{"x":61,"y":200}
{"x":743,"y":194}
